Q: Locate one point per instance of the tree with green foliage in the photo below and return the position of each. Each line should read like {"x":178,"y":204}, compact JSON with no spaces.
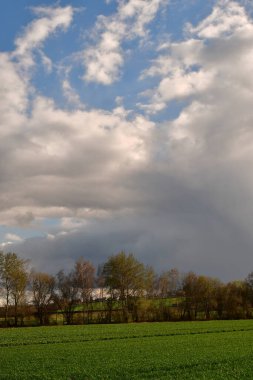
{"x":249,"y":288}
{"x":14,"y":278}
{"x":236,"y":305}
{"x":125,"y":278}
{"x":200,"y":294}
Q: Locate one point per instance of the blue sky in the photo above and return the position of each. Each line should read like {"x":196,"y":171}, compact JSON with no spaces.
{"x":62,"y":47}
{"x":127,"y":125}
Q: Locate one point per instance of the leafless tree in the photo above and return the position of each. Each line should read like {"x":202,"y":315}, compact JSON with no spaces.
{"x":84,"y":273}
{"x":42,"y":285}
{"x":66,"y":294}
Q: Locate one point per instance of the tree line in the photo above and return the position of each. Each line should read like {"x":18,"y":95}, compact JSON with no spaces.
{"x":123,"y":289}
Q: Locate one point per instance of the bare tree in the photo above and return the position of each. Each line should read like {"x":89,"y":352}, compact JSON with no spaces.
{"x":100,"y":280}
{"x":42,"y":285}
{"x":169,"y":283}
{"x":66,"y":294}
{"x":85,"y":276}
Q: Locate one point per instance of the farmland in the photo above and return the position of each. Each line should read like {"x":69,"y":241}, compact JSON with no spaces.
{"x":186,"y":350}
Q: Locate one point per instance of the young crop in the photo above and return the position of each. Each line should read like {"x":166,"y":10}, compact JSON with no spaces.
{"x":190,"y":350}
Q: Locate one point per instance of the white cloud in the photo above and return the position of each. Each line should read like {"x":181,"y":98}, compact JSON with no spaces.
{"x":183,"y":85}
{"x":13,"y":96}
{"x":48,"y":148}
{"x":50,"y":19}
{"x":226,"y":18}
{"x":177,"y":56}
{"x":15,"y":89}
{"x":194,"y":67}
{"x":47,"y":62}
{"x":104,"y":60}
{"x":13,"y":237}
{"x":70,"y":94}
{"x":59,"y":149}
{"x":10,"y":239}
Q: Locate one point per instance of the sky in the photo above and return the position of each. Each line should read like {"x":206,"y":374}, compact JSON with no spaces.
{"x":128,"y":125}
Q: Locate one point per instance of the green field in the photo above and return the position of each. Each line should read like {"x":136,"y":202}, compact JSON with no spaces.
{"x":185,"y":350}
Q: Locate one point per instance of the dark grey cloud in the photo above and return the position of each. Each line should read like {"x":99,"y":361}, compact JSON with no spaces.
{"x":201,"y":241}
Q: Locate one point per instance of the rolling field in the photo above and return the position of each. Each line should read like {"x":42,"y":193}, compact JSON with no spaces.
{"x":189,"y":350}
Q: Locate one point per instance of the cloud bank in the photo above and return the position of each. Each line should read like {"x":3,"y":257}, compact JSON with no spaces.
{"x":177,"y":191}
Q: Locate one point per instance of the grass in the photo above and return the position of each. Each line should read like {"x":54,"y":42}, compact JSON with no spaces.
{"x":188,"y":350}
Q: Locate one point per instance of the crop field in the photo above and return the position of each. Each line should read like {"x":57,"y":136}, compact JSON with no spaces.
{"x":184,"y":350}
